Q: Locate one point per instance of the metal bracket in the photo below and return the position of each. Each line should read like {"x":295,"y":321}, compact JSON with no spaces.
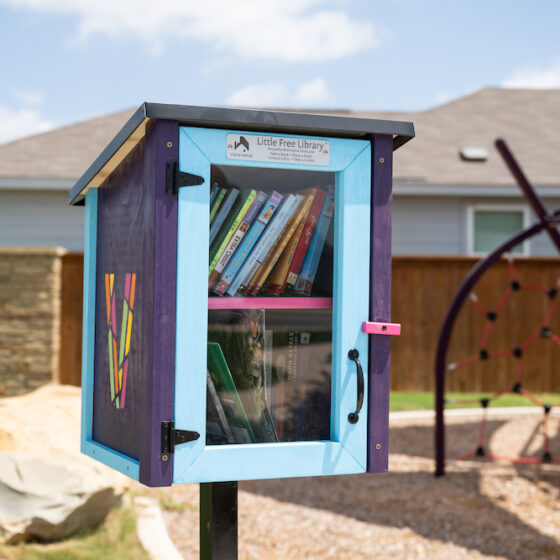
{"x":175,"y":178}
{"x":170,"y":437}
{"x":391,"y":329}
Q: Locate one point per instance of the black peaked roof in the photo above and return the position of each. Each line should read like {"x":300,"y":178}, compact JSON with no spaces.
{"x":240,"y":119}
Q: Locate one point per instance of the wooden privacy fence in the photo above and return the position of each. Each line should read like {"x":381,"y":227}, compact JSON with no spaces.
{"x":423,"y":288}
{"x":422,"y":291}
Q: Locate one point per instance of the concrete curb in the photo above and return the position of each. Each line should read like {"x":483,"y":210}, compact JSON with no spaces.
{"x":152,"y":532}
{"x":498,"y":411}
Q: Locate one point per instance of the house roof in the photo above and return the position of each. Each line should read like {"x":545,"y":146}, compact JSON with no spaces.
{"x":62,"y":153}
{"x":526,"y":119}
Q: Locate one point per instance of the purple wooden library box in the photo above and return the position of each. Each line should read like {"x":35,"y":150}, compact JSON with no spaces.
{"x":237,"y":295}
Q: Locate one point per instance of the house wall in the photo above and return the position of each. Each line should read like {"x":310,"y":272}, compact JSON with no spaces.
{"x":30,"y":285}
{"x":40,"y":219}
{"x":437,"y":225}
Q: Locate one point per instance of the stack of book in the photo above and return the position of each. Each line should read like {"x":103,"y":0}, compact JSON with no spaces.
{"x":267,"y":244}
{"x":268,"y":383}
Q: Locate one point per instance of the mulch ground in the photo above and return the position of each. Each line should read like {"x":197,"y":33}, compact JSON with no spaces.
{"x":480,"y":509}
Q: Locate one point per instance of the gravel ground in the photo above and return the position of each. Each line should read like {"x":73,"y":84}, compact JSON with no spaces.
{"x":478,"y":510}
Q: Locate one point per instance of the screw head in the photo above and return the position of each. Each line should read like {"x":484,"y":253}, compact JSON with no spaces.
{"x":378,"y":446}
{"x":381,"y":160}
{"x":170,"y":144}
{"x":164,"y":457}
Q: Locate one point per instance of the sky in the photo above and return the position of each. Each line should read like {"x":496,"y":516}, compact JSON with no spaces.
{"x":64,"y":61}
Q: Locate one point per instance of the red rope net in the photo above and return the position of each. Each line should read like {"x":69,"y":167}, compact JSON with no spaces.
{"x":518,"y":353}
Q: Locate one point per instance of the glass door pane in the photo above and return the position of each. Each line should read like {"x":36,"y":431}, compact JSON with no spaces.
{"x":270,"y":305}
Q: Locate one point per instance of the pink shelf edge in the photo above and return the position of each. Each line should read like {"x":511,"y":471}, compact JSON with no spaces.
{"x":270,"y":303}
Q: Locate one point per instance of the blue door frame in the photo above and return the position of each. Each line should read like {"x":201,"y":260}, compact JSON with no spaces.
{"x":346,"y":451}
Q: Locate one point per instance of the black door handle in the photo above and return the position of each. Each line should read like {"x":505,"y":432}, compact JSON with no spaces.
{"x":353,"y":417}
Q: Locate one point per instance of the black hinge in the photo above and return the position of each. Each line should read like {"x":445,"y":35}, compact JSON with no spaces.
{"x":175,"y":178}
{"x":170,"y":437}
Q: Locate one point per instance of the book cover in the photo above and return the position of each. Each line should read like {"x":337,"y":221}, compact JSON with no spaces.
{"x":289,"y":231}
{"x":217,"y":201}
{"x":277,"y":278}
{"x":237,"y":213}
{"x":237,"y":232}
{"x":311,"y":261}
{"x":264,"y":244}
{"x":223,"y":212}
{"x":228,"y":394}
{"x":301,"y":374}
{"x":248,"y":242}
{"x":304,"y":241}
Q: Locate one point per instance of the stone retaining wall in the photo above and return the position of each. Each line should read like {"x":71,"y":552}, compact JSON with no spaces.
{"x":30,"y":283}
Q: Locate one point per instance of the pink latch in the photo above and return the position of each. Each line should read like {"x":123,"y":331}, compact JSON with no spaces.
{"x":392,"y":329}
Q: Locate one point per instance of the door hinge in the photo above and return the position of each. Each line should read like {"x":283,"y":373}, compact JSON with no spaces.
{"x":170,"y":437}
{"x":175,"y":178}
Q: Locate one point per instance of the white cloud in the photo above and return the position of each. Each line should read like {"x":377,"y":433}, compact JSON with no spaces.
{"x":277,"y":94}
{"x":285,"y":30}
{"x":17,"y":123}
{"x":271,"y":94}
{"x":312,"y":92}
{"x":29,"y":97}
{"x":535,"y":78}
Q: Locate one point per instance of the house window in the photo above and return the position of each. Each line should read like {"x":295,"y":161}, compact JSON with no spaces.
{"x":490,"y":226}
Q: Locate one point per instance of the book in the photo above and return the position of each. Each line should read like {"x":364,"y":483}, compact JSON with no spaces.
{"x":217,"y":201}
{"x":213,"y":193}
{"x":277,"y":252}
{"x":264,"y":244}
{"x":304,"y":240}
{"x":249,"y":240}
{"x":223,"y":212}
{"x":301,"y":358}
{"x":240,"y":208}
{"x":237,"y":232}
{"x":228,"y":395}
{"x":218,"y":429}
{"x":276,"y":281}
{"x":313,"y":256}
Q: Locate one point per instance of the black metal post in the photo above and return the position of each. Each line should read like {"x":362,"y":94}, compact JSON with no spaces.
{"x":218,"y":521}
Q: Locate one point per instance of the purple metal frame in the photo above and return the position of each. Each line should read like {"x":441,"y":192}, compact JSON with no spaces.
{"x":547,"y":221}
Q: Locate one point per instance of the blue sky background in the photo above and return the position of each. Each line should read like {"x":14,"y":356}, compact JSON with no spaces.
{"x":67,"y":60}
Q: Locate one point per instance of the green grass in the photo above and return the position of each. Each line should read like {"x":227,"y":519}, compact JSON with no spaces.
{"x":400,"y":400}
{"x":115,"y":539}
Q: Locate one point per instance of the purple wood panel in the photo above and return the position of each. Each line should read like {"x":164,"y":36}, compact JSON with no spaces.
{"x":380,"y":303}
{"x":125,"y":241}
{"x":162,"y":142}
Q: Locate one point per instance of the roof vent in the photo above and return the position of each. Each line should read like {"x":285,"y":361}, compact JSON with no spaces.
{"x":473,"y":154}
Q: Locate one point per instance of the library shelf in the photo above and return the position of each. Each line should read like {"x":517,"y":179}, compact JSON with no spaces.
{"x":269,"y":303}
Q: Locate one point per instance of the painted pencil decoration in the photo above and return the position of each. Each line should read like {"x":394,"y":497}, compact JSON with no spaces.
{"x":118,"y":353}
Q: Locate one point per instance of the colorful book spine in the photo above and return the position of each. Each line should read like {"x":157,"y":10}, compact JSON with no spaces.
{"x":265,"y":243}
{"x":311,"y":262}
{"x":287,"y":234}
{"x":237,"y":236}
{"x":304,"y":241}
{"x":276,"y":281}
{"x":217,"y":201}
{"x":249,"y":241}
{"x":240,"y":208}
{"x":223,"y":212}
{"x":213,"y":193}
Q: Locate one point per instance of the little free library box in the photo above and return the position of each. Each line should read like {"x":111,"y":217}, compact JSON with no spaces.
{"x":237,"y":295}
